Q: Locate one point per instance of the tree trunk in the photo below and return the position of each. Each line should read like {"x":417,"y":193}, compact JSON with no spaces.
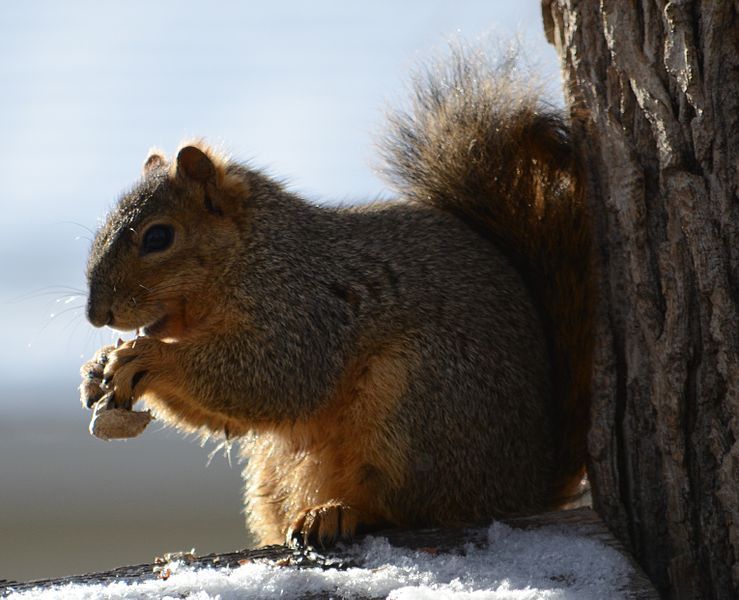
{"x":653,"y":89}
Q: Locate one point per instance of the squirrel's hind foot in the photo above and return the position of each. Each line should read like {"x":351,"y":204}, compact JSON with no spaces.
{"x":324,"y":525}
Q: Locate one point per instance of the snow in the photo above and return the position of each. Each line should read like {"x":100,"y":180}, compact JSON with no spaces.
{"x":542,"y":564}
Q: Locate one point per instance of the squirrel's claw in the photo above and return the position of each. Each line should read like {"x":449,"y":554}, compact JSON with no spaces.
{"x":92,"y":387}
{"x":322,"y":526}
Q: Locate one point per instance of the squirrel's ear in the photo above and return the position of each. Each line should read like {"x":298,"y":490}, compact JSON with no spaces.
{"x":193,"y":163}
{"x":155,"y":160}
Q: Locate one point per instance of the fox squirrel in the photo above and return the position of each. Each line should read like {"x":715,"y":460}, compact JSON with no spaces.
{"x":410,"y":363}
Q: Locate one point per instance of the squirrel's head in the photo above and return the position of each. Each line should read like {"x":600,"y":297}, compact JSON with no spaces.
{"x":171,"y":237}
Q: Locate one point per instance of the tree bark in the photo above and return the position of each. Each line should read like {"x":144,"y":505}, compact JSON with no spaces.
{"x":653,"y":89}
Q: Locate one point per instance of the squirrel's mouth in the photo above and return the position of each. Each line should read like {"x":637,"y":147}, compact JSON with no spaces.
{"x":171,"y":324}
{"x":157,"y":327}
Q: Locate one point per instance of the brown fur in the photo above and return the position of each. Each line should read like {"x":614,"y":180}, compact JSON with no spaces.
{"x":336,"y":454}
{"x":407,"y":363}
{"x":490,"y":151}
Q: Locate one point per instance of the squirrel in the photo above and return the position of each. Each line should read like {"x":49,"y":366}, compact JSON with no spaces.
{"x":417,"y":362}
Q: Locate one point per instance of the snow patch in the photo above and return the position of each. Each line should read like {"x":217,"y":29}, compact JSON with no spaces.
{"x":543,"y":564}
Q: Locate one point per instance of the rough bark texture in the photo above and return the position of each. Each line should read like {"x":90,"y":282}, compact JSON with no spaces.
{"x":653,"y":87}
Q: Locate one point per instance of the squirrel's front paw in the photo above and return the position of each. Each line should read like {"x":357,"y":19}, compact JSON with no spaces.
{"x":128,"y":369}
{"x":323,"y":525}
{"x":91,"y":388}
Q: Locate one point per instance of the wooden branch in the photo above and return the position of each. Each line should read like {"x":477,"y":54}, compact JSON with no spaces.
{"x":581,"y":521}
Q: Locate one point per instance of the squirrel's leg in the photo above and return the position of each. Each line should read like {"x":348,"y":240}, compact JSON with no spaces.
{"x":152,"y":369}
{"x":331,"y":476}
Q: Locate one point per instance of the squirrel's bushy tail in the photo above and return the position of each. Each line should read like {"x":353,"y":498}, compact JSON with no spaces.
{"x":480,"y":143}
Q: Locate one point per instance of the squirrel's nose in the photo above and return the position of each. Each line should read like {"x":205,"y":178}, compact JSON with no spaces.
{"x":98,"y":313}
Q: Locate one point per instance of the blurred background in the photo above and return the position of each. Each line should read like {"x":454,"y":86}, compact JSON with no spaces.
{"x":297,"y":88}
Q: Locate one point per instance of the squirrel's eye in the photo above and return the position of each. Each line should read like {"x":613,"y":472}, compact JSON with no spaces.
{"x":157,"y":238}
